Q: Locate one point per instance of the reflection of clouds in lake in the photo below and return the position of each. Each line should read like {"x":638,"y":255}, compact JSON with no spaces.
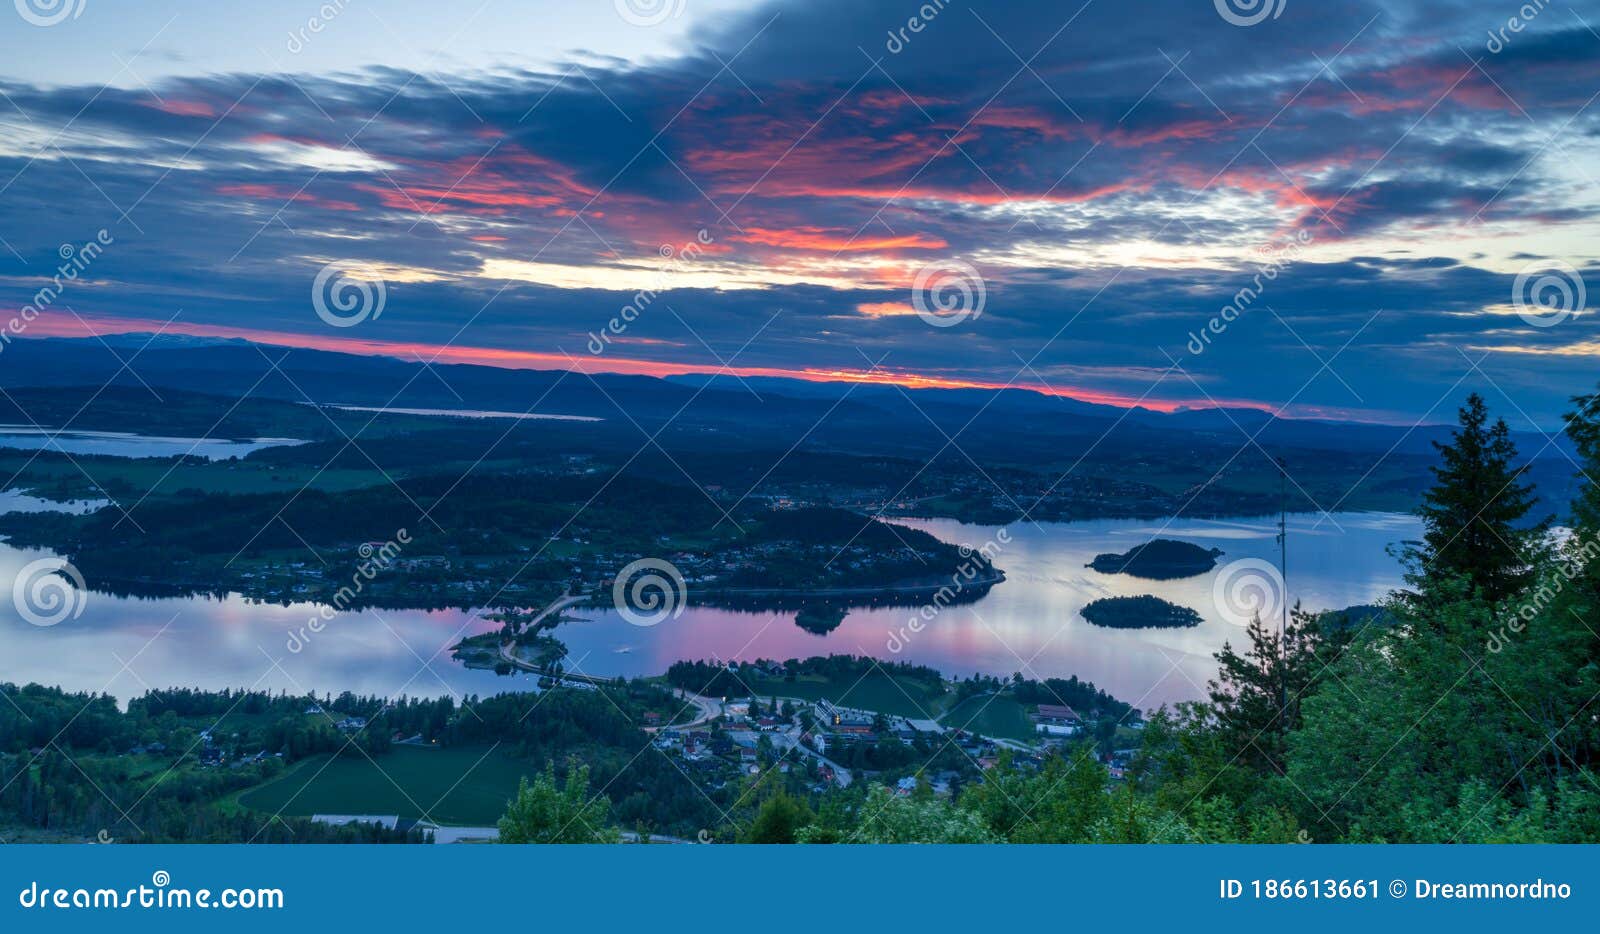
{"x":1030,"y":622}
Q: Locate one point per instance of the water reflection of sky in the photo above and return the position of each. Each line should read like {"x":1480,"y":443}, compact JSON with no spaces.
{"x":1030,"y":623}
{"x":119,"y":444}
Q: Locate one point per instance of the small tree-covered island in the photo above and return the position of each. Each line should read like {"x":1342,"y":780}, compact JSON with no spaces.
{"x":1160,"y":559}
{"x":1453,"y":712}
{"x":1141,"y":612}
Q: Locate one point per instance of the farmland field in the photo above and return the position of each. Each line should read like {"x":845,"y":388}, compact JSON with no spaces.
{"x":999,"y":716}
{"x":412,"y":782}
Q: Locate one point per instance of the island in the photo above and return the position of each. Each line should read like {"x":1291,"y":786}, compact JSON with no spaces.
{"x":820,"y":618}
{"x":1143,"y":612}
{"x":1162,"y":559}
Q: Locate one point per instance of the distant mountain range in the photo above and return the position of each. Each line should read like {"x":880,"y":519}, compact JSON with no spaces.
{"x":862,"y":418}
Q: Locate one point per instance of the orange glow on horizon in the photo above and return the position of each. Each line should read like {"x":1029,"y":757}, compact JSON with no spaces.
{"x":584,"y":362}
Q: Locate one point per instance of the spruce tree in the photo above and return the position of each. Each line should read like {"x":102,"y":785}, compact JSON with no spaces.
{"x":1475,"y":533}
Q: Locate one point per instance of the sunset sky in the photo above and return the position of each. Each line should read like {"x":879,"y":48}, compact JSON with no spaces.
{"x":1114,"y":172}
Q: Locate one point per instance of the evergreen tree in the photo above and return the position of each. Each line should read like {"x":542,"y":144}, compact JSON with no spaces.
{"x":1256,"y":698}
{"x":1475,"y":534}
{"x":779,"y":821}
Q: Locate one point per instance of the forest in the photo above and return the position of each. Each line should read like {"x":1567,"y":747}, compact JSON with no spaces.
{"x":1461,"y":710}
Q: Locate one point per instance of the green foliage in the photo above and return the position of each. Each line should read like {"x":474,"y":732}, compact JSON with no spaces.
{"x":780,"y":820}
{"x":1061,"y":803}
{"x":545,"y":812}
{"x":886,"y":817}
{"x":1474,"y":515}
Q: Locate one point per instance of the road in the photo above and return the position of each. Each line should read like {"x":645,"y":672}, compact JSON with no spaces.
{"x":710,"y":708}
{"x":840,"y":773}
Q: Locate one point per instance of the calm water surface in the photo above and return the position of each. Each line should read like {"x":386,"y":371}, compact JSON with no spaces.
{"x":1030,"y":623}
{"x":120,"y":444}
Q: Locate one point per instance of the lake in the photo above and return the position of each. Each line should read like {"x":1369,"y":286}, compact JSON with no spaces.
{"x":122,"y":444}
{"x":1028,"y":623}
{"x":464,"y":413}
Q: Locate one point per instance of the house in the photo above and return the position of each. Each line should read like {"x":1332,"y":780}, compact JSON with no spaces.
{"x":1057,"y":720}
{"x":352,"y":724}
{"x":1058,"y":713}
{"x":387,"y":821}
{"x":905,"y":786}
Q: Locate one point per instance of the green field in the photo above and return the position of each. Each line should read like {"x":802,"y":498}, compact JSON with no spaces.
{"x":1001,"y":716}
{"x":899,"y":696}
{"x":412,"y":782}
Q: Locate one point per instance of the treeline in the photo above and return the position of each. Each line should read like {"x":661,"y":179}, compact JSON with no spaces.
{"x":76,"y":764}
{"x":1462,"y":712}
{"x":740,"y":679}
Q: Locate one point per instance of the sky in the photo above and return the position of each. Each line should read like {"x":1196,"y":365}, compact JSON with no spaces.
{"x":1339,"y":208}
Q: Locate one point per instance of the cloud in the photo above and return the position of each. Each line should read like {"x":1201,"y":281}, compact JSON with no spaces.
{"x":1114,"y":174}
